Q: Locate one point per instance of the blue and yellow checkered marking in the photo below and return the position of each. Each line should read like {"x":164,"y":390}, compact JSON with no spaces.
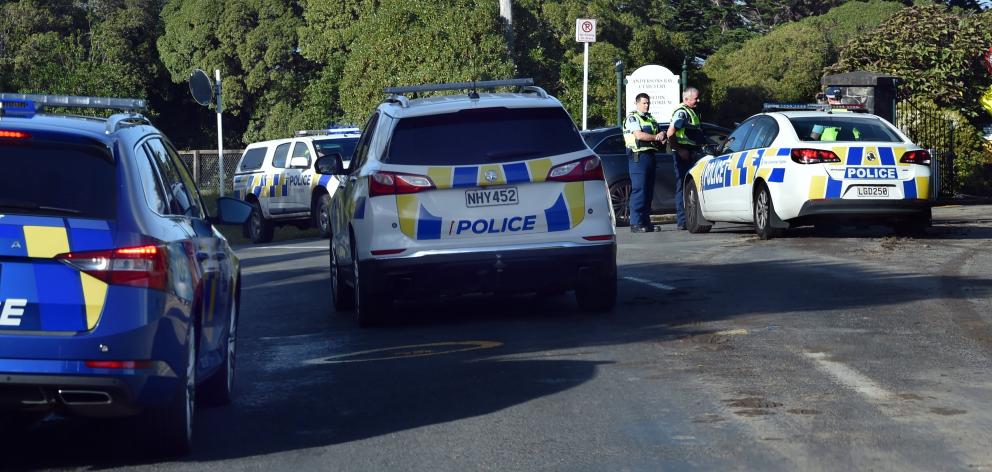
{"x":445,"y":177}
{"x":60,"y":298}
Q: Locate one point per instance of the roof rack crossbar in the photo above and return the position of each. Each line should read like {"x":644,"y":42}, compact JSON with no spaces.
{"x":475,"y":85}
{"x":536,"y":90}
{"x":74,"y":101}
{"x":121,"y":120}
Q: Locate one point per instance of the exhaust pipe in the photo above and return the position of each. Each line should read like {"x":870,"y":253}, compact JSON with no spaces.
{"x":84,"y":397}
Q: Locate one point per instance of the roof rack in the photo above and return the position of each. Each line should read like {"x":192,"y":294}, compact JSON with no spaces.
{"x":771,"y":106}
{"x":73,"y":101}
{"x":121,"y":120}
{"x":327,"y":132}
{"x":396,"y":94}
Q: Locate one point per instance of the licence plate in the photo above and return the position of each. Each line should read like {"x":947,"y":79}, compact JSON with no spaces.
{"x":869,"y":192}
{"x":491,"y":197}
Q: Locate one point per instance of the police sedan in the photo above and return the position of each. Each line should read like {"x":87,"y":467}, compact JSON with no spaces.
{"x":782,"y":169}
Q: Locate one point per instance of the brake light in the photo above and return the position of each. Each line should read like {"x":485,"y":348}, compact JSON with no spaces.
{"x":587,"y":168}
{"x":919,"y":156}
{"x":118,"y":364}
{"x":142,"y":266}
{"x":601,"y":237}
{"x":813,"y":156}
{"x":386,"y":252}
{"x":391,"y":183}
{"x":8,"y":134}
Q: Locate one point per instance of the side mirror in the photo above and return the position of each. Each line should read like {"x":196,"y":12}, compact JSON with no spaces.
{"x":231,"y":211}
{"x":711,"y":149}
{"x":331,"y":164}
{"x":299,"y":162}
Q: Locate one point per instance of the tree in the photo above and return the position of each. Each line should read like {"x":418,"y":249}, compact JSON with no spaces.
{"x":421,"y":41}
{"x":942,"y":65}
{"x":787,"y":63}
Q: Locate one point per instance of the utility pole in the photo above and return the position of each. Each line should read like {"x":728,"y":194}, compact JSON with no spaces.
{"x":506,"y":13}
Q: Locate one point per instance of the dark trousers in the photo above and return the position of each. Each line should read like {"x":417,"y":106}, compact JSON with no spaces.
{"x":684,"y":160}
{"x":641,"y":170}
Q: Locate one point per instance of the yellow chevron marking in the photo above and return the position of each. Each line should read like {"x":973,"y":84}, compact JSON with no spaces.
{"x":94,"y":295}
{"x":539,"y":169}
{"x":575,"y":198}
{"x":441,"y":176}
{"x":923,"y":187}
{"x":44,"y":241}
{"x":817,"y":187}
{"x":407,"y":205}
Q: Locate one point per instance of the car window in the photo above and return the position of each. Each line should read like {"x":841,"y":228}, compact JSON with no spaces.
{"x":344,"y":146}
{"x":764,"y":132}
{"x":181,"y":200}
{"x":843,"y":128}
{"x":279,"y":157}
{"x":82,"y":181}
{"x":483,"y":136}
{"x":362,"y":148}
{"x":612,"y":145}
{"x":738,"y":138}
{"x":151,"y":182}
{"x":301,"y":150}
{"x":252,"y":159}
{"x":715,"y":137}
{"x":186,"y":176}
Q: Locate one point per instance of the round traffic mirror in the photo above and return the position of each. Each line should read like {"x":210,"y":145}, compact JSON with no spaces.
{"x":201,"y":88}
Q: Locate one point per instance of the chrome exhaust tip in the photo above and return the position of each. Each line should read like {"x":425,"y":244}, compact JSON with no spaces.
{"x":84,"y":397}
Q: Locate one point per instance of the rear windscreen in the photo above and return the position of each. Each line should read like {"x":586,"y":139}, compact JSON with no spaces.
{"x":482,"y":136}
{"x":61,"y":180}
{"x":842,"y":128}
{"x":252,"y":159}
{"x":344,"y":146}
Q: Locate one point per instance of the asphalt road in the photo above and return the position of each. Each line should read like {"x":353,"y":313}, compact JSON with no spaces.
{"x":851,"y":350}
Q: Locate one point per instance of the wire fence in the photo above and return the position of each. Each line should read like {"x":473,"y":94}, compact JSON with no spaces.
{"x":203,"y":163}
{"x":928,"y":127}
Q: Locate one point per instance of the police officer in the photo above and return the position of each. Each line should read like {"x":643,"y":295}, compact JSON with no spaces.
{"x":686,"y":137}
{"x":643,"y":138}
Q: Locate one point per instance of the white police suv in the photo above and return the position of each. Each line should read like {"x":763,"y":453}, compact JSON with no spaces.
{"x":782,"y":169}
{"x":467,"y":193}
{"x":278,"y":179}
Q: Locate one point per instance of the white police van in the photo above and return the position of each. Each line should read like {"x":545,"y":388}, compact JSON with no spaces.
{"x":469,"y":193}
{"x":278,"y":179}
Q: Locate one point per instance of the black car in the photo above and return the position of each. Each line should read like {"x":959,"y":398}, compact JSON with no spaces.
{"x":608,"y":144}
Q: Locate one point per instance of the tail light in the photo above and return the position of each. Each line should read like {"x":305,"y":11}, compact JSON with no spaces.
{"x":587,"y":168}
{"x":142,"y":266}
{"x":8,"y":134}
{"x":813,"y":156}
{"x":391,"y":183}
{"x":920,"y":156}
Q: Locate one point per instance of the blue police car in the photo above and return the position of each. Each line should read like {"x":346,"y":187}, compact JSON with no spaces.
{"x":118,"y":295}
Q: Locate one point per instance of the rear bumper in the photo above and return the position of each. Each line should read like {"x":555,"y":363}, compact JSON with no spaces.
{"x":510,"y":270}
{"x":875,"y":210}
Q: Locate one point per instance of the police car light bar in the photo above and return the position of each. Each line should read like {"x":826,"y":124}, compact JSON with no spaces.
{"x":484,"y":84}
{"x":10,"y":107}
{"x":326,"y":132}
{"x":772,"y":106}
{"x":72,"y":101}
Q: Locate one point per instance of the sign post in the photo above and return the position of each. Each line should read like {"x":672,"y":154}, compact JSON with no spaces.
{"x":204,"y":92}
{"x":220,"y":137}
{"x":585,"y":33}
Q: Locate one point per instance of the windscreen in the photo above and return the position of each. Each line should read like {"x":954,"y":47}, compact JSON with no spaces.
{"x":483,"y":136}
{"x":345,"y":146}
{"x":843,"y":128}
{"x":53,"y":179}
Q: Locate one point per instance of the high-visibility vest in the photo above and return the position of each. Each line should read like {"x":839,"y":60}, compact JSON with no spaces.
{"x":648,"y":125}
{"x":829,"y":133}
{"x":682,"y":135}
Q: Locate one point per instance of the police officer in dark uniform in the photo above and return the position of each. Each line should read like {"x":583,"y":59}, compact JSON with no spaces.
{"x":686,"y":134}
{"x":643,"y":138}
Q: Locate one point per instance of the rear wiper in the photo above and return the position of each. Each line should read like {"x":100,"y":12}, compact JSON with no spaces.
{"x":22,"y":205}
{"x":510,"y":153}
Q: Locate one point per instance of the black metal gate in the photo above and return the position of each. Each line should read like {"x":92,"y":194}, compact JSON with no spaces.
{"x":929,"y":127}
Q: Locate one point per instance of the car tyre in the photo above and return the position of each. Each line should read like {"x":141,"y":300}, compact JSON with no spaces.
{"x":620,"y":198}
{"x":341,"y":294}
{"x":597,"y":293}
{"x":219,"y":388}
{"x":764,"y":212}
{"x":693,"y":213}
{"x":170,"y":428}
{"x":322,"y":215}
{"x":370,"y":309}
{"x":259,"y":229}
